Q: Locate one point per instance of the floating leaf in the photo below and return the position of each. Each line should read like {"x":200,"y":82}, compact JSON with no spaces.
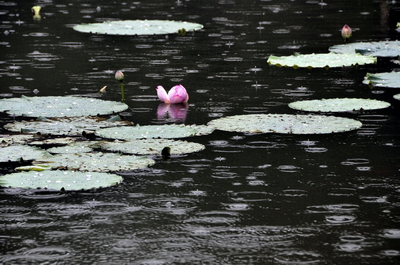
{"x":18,"y":152}
{"x":16,"y":139}
{"x":201,"y":129}
{"x":99,"y":162}
{"x":55,"y":141}
{"x":285,"y":123}
{"x":321,"y":60}
{"x":397,"y":96}
{"x":33,"y":168}
{"x":64,"y":126}
{"x":75,"y":147}
{"x":153,"y":146}
{"x":388,"y":79}
{"x":339,"y":104}
{"x":59,"y":106}
{"x":378,"y":48}
{"x":147,"y":132}
{"x":138,"y":27}
{"x":56,"y":180}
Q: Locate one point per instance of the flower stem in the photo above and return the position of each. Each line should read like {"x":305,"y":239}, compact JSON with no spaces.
{"x":122,"y":92}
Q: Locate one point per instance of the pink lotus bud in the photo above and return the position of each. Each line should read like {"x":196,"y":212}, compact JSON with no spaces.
{"x":177,"y":94}
{"x":346,"y":32}
{"x":119,"y":76}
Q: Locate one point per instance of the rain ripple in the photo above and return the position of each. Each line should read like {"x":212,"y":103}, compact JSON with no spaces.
{"x":214,"y":218}
{"x":298,"y":257}
{"x":40,"y":255}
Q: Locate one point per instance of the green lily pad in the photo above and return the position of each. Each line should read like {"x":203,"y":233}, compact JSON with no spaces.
{"x":397,"y":96}
{"x":54,"y":141}
{"x":75,"y":148}
{"x":16,"y":139}
{"x":97,"y":162}
{"x":56,"y":180}
{"x":321,"y":60}
{"x":18,"y":152}
{"x":153,"y":146}
{"x":64,"y":126}
{"x":201,"y":129}
{"x":147,"y":132}
{"x":59,"y":106}
{"x":378,"y":48}
{"x":339,"y":104}
{"x":138,"y":27}
{"x":285,"y":123}
{"x":388,"y":79}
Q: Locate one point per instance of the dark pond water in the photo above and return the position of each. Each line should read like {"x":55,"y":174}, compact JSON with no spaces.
{"x":246,"y":199}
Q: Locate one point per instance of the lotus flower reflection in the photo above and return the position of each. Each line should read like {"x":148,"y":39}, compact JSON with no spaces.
{"x":172,"y":112}
{"x":346,"y":32}
{"x":177,"y":94}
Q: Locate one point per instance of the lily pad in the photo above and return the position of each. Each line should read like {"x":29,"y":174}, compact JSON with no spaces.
{"x":397,"y":96}
{"x":16,"y":139}
{"x":54,"y":141}
{"x":388,"y":79}
{"x":339,"y":104}
{"x":321,"y":60}
{"x":201,"y":129}
{"x":147,"y":132}
{"x":64,"y":126}
{"x":138,"y":27}
{"x":75,"y":147}
{"x":285,"y":123}
{"x":153,"y":146}
{"x":67,"y":106}
{"x":56,"y":180}
{"x":378,"y":48}
{"x":98,"y":162}
{"x":17,"y":152}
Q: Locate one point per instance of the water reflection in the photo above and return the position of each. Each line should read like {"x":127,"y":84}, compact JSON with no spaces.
{"x":175,"y":113}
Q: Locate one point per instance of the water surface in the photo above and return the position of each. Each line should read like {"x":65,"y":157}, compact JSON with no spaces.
{"x":247,"y":198}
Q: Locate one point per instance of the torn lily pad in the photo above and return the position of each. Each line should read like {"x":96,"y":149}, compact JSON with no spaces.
{"x":56,"y":106}
{"x":138,"y":27}
{"x":153,"y":146}
{"x":388,"y":79}
{"x":57,"y":180}
{"x":71,"y":126}
{"x":285,"y":123}
{"x":147,"y":132}
{"x":17,"y":152}
{"x":97,"y":162}
{"x":339,"y":104}
{"x":377,"y":48}
{"x":321,"y":60}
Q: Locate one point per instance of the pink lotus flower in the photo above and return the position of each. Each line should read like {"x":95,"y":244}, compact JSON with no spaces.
{"x":177,"y":94}
{"x":346,"y":32}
